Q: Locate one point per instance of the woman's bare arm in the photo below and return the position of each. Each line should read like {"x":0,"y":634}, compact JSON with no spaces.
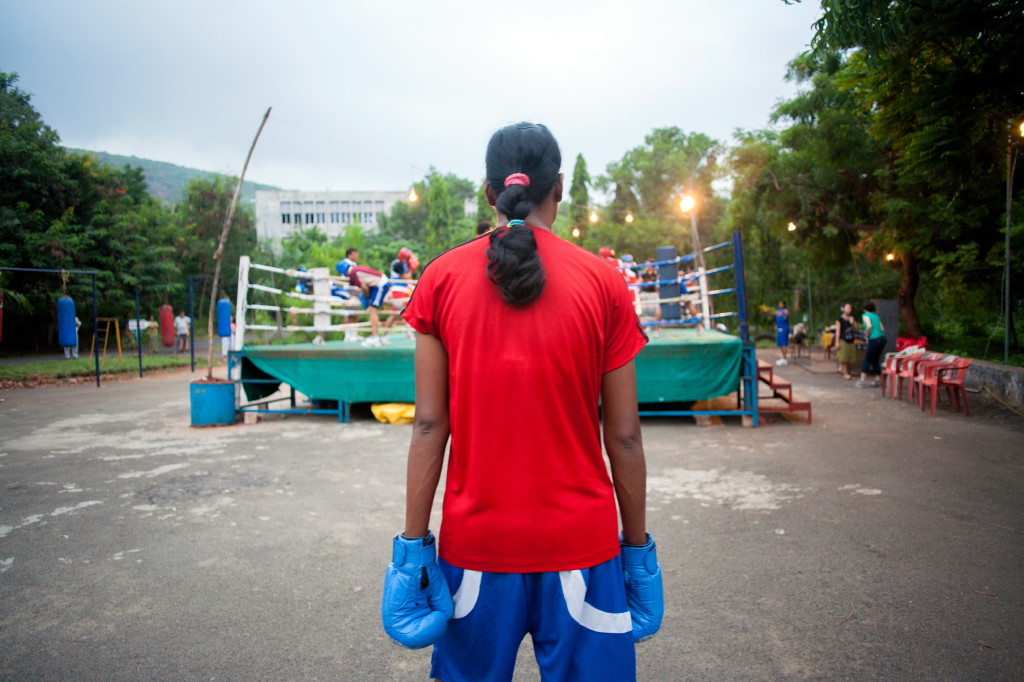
{"x":625,"y":447}
{"x":430,"y":433}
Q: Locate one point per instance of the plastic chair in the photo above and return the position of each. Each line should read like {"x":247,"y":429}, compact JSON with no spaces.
{"x":893,"y":365}
{"x":924,"y":367}
{"x":949,"y":376}
{"x":907,"y":370}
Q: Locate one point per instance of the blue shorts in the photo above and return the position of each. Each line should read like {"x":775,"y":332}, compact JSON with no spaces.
{"x":376,"y":296}
{"x":782,"y":336}
{"x":579,"y":622}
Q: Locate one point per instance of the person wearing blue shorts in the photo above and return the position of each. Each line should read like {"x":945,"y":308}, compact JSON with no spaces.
{"x":373,"y":288}
{"x":511,"y":368}
{"x":782,"y":331}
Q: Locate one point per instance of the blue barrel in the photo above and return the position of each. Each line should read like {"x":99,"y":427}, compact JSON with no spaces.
{"x":223,"y":317}
{"x":67,"y":332}
{"x":213,"y":404}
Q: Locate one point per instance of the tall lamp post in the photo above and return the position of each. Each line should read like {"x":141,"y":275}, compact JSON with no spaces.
{"x":688,"y":204}
{"x":1010,"y":164}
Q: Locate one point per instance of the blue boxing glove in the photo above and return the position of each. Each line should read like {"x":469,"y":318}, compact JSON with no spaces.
{"x":644,"y":594}
{"x":417,"y":603}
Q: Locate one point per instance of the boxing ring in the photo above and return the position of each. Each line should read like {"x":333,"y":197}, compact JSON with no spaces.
{"x":686,"y":361}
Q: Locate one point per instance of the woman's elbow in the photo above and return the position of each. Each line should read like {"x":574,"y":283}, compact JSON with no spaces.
{"x":430,"y":424}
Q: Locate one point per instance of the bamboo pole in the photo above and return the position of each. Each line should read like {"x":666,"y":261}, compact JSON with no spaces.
{"x":218,"y":255}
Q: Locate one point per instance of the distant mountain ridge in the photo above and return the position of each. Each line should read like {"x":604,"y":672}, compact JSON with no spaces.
{"x":167,"y":180}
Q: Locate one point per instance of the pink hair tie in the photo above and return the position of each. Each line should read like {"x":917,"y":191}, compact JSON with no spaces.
{"x":518,"y":179}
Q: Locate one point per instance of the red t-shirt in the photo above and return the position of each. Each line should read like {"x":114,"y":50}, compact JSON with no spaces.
{"x":366,"y":275}
{"x":527,"y":486}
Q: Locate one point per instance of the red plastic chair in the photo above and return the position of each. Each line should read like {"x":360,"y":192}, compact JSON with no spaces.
{"x":893,"y":364}
{"x":908,"y":370}
{"x":926,"y":367}
{"x":949,"y":376}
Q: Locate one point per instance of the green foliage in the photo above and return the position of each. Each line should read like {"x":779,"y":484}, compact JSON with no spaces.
{"x":438,"y":229}
{"x":484,"y":211}
{"x":943,"y":80}
{"x":169,"y":181}
{"x":63,"y":210}
{"x":648,"y":183}
{"x":579,"y":198}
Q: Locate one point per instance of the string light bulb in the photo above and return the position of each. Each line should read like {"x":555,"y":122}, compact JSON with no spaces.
{"x":629,"y":217}
{"x":575,"y":233}
{"x":687,"y":203}
{"x":413,"y":197}
{"x":890,"y":256}
{"x":593,"y":216}
{"x":791,"y":227}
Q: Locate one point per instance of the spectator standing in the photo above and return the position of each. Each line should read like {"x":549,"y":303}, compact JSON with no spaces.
{"x":182,"y":327}
{"x":875,"y":334}
{"x":845,"y":335}
{"x":782,"y":332}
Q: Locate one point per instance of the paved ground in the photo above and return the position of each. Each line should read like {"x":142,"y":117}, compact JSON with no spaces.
{"x":877,"y":543}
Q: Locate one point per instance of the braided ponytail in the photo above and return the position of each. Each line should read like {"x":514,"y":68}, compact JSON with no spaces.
{"x":523,"y":161}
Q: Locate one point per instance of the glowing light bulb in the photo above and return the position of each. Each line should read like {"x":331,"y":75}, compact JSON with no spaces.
{"x":687,"y":203}
{"x":791,"y":227}
{"x":593,"y":216}
{"x":890,"y":256}
{"x":575,"y":233}
{"x":413,"y":196}
{"x":629,"y":217}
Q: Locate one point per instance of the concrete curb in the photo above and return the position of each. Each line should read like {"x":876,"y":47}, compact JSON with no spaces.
{"x":1005,"y":382}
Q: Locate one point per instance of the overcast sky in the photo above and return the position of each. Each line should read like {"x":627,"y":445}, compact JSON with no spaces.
{"x":369,"y":94}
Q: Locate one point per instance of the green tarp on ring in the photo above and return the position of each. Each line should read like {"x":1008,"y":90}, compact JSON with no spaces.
{"x":680,"y":365}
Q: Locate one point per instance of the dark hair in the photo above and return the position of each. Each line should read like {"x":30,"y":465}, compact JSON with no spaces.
{"x":513,"y":262}
{"x":350,"y":250}
{"x":483,"y":227}
{"x":869,"y":306}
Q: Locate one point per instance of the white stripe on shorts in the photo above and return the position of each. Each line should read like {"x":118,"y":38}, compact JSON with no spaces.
{"x":467,"y":594}
{"x":574,"y":589}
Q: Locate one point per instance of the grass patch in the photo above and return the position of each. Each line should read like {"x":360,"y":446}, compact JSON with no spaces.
{"x":85,"y":367}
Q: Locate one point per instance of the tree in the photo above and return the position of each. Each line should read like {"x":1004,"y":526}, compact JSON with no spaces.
{"x":62,"y":210}
{"x":438,"y":229}
{"x":579,"y":197}
{"x":201,"y":216}
{"x":484,"y":211}
{"x":941,"y":80}
{"x":648,"y":182}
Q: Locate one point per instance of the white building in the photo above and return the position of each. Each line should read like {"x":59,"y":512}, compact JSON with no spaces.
{"x":280,"y":213}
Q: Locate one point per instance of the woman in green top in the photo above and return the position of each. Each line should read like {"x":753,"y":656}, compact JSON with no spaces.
{"x":875,"y":334}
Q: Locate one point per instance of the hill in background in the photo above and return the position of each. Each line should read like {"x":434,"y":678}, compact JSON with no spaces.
{"x":166,"y":180}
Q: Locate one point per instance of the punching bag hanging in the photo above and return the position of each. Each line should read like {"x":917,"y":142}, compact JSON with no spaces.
{"x":223,"y":317}
{"x":167,"y":325}
{"x":67,"y":334}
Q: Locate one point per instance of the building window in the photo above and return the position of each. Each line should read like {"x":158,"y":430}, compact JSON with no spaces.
{"x":286,"y":218}
{"x":367,"y":217}
{"x":335,"y":216}
{"x":298,"y":218}
{"x":309,"y":218}
{"x":346,"y":217}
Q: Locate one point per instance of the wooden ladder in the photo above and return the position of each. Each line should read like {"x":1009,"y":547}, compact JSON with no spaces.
{"x":103,"y":325}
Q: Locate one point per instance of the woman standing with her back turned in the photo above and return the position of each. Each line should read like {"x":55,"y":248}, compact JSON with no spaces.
{"x":511,"y":365}
{"x":874,"y":332}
